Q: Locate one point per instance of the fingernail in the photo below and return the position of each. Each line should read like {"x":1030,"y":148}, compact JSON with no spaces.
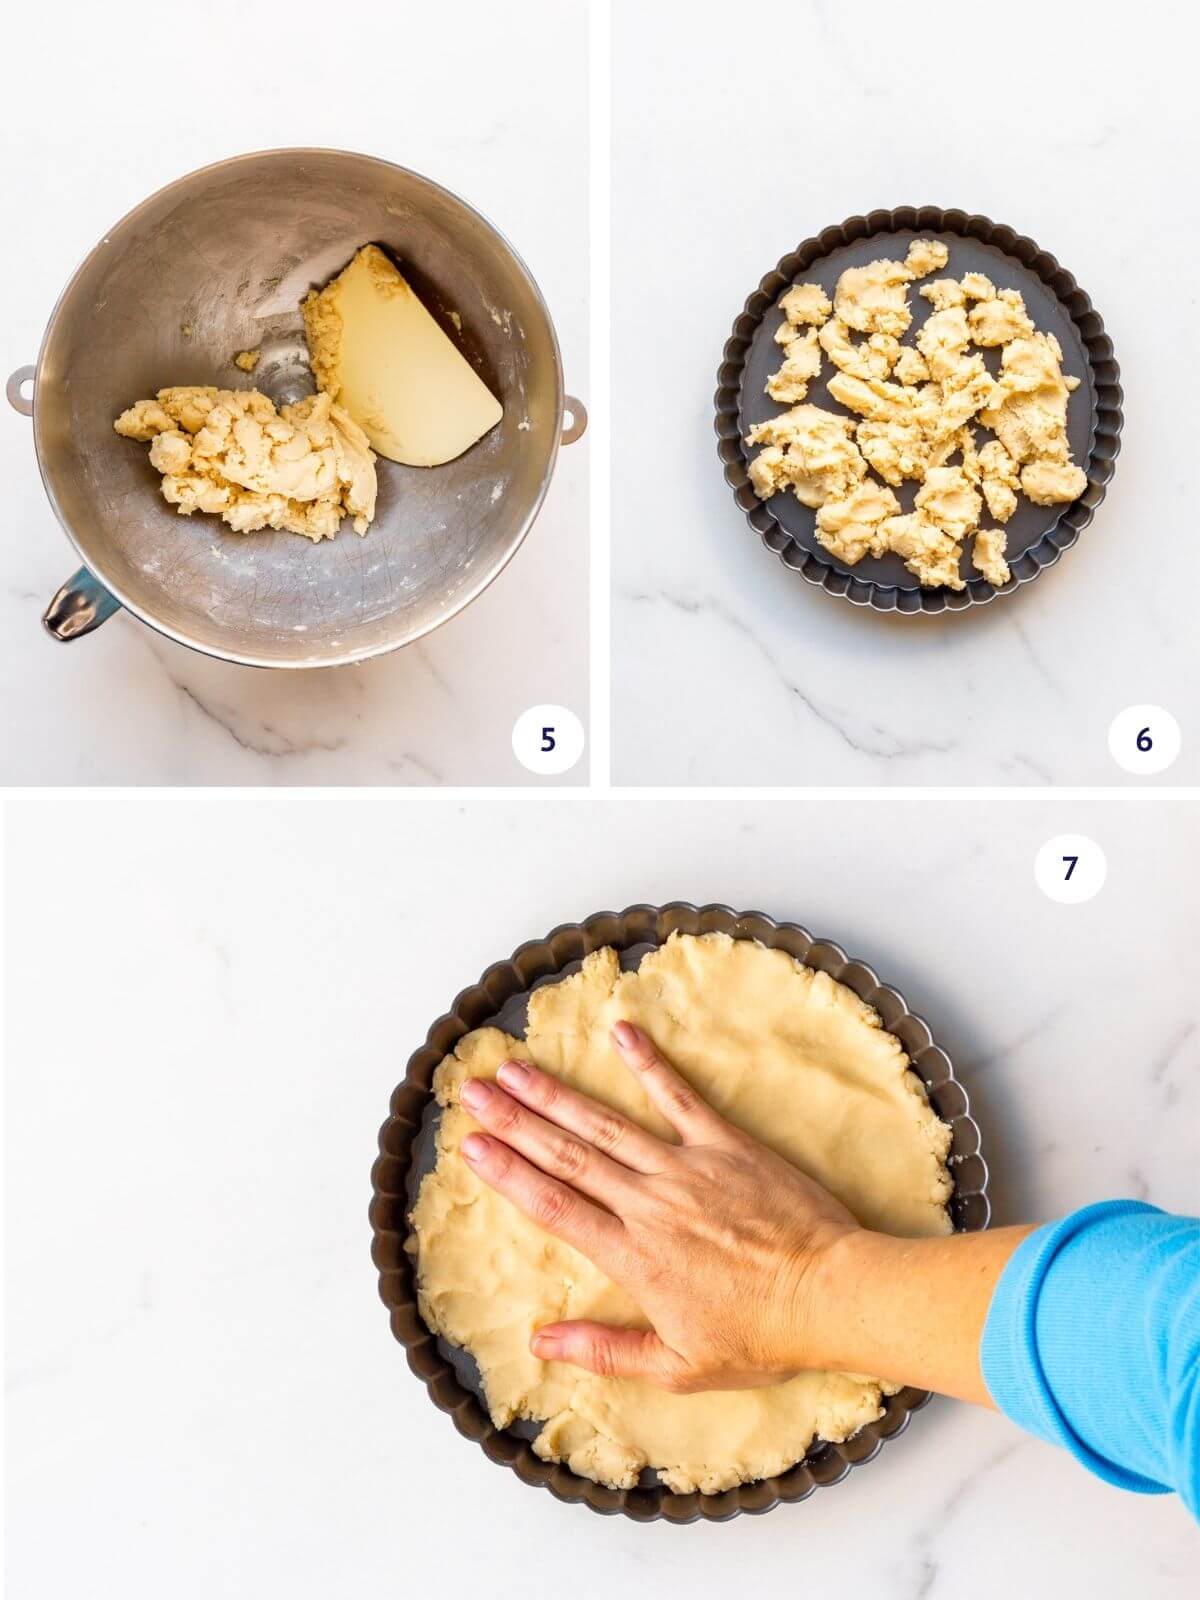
{"x":474,"y":1147}
{"x":512,"y":1074}
{"x":474,"y":1093}
{"x":545,"y":1346}
{"x":625,"y":1034}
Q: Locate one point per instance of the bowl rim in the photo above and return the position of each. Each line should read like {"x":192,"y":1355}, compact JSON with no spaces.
{"x":345,"y":657}
{"x":544,"y":960}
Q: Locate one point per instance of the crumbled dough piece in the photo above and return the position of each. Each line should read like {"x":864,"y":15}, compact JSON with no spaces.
{"x":943,"y":342}
{"x":816,"y":1078}
{"x":950,"y":501}
{"x":987,"y":555}
{"x":928,"y":552}
{"x":1049,"y":483}
{"x":849,"y":527}
{"x":883,"y":352}
{"x":943,"y":293}
{"x":1029,"y":412}
{"x":871,"y":358}
{"x":873,"y":398}
{"x":966,"y":386}
{"x":790,"y":384}
{"x":805,"y":303}
{"x":768,"y":471}
{"x":964,"y":393}
{"x":1000,"y":320}
{"x":919,"y":404}
{"x":874,"y":298}
{"x":229,"y":452}
{"x":846,"y":355}
{"x":926,"y":256}
{"x":910,"y":367}
{"x":815,"y":455}
{"x":1000,"y":480}
{"x":895,"y":450}
{"x":247,"y":360}
{"x":970,"y":456}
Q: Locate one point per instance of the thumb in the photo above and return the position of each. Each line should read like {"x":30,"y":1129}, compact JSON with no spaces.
{"x":609,"y":1352}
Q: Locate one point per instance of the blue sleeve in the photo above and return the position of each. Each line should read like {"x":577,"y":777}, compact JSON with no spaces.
{"x":1092,"y":1341}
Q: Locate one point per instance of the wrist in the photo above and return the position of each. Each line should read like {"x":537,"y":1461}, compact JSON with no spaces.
{"x":833,"y":1263}
{"x":910,"y":1311}
{"x":840,"y":1331}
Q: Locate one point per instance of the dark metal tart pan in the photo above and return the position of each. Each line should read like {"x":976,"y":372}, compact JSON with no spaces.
{"x":1037,"y":535}
{"x":406,"y":1153}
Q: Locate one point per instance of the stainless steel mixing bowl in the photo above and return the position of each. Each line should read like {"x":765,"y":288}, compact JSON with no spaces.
{"x":219,"y":262}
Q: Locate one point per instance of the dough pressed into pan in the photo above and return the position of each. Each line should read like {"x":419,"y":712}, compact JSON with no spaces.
{"x":786,"y":1053}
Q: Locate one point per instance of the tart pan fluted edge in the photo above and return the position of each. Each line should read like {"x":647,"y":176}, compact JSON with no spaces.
{"x":547,"y":960}
{"x":1104,"y":378}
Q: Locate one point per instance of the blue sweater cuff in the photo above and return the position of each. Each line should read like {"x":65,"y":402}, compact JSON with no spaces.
{"x":1014,"y":1354}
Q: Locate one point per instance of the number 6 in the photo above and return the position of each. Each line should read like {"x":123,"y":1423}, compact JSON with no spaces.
{"x":1144,"y":741}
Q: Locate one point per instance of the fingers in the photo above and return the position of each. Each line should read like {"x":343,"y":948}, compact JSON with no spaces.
{"x":560,"y":1155}
{"x":605,"y":1130}
{"x":545,"y":1201}
{"x":610,"y":1352}
{"x":692,"y":1118}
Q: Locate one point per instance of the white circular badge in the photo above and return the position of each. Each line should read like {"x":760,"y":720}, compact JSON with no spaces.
{"x":547,"y":739}
{"x":1070,"y":868}
{"x":1144,"y":739}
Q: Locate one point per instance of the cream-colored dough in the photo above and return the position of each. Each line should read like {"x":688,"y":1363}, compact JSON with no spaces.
{"x":919,"y":403}
{"x":230,"y":453}
{"x":805,"y":304}
{"x":787,"y":1054}
{"x":802,"y":364}
{"x":849,"y":528}
{"x":809,"y":449}
{"x":987,"y":554}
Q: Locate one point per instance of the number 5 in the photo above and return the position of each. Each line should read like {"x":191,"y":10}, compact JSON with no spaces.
{"x":548,"y":740}
{"x":1074,"y":860}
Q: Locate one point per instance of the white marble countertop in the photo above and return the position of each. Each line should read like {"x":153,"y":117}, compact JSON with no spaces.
{"x":203,"y":1393}
{"x":495,"y":110}
{"x":760,"y":132}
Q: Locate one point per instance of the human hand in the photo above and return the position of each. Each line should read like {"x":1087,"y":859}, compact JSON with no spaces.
{"x":717,"y":1238}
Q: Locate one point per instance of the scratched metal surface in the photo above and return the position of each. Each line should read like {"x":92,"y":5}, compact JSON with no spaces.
{"x":228,"y":254}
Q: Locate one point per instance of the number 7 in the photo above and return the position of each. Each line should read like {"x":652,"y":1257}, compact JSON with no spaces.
{"x":1074,"y":860}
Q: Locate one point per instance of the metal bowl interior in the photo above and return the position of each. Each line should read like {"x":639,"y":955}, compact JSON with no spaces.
{"x":406,"y":1153}
{"x":218,"y":263}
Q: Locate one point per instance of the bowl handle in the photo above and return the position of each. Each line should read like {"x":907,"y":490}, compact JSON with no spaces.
{"x":82,"y":604}
{"x":577,"y":411}
{"x":13,"y":387}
